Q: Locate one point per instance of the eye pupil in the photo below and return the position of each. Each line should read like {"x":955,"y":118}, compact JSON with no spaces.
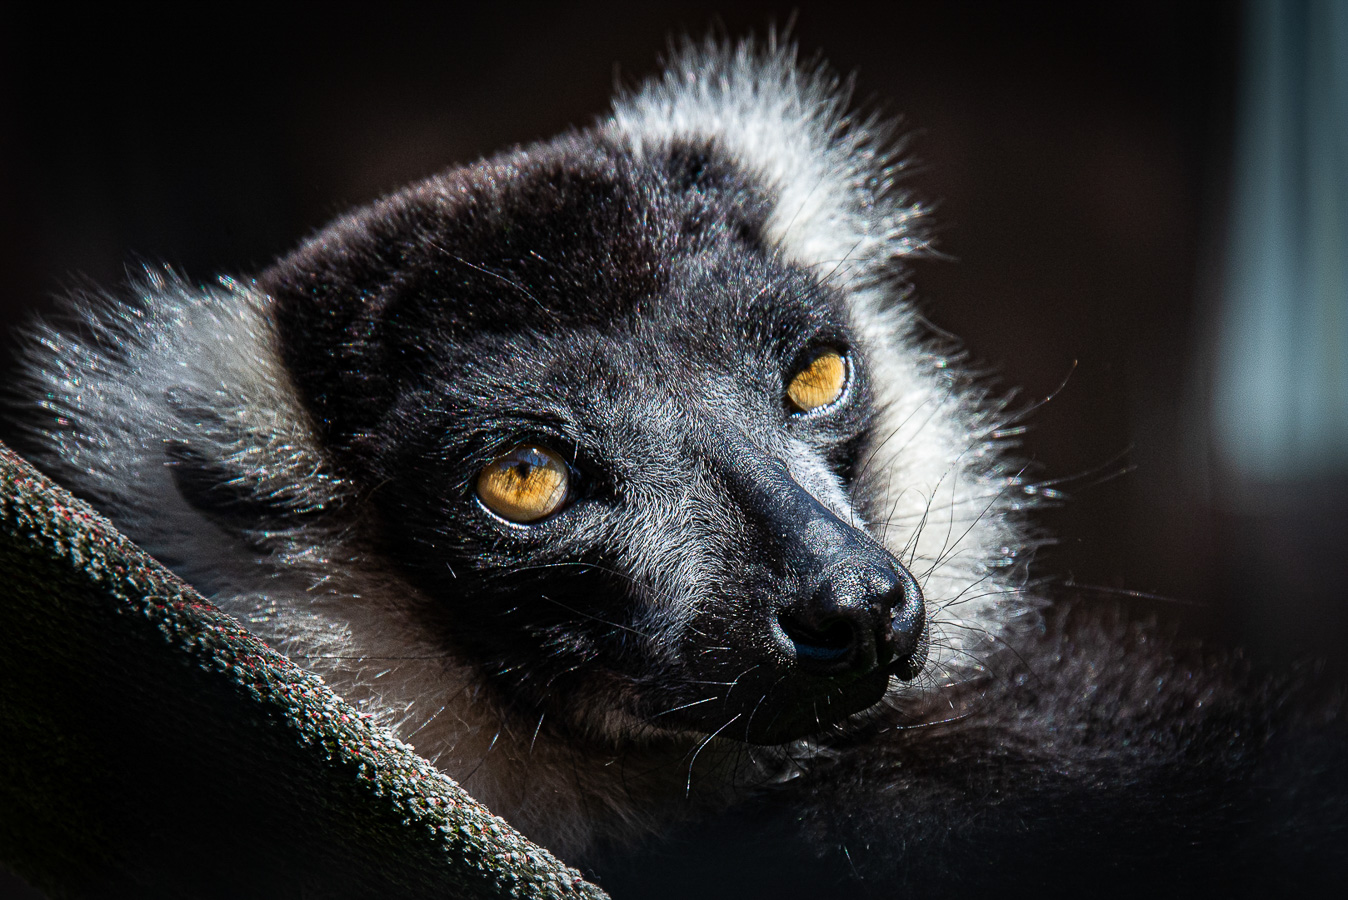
{"x":525,"y":484}
{"x":819,"y":383}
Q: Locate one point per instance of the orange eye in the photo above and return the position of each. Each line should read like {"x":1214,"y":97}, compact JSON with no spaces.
{"x":819,"y":383}
{"x":524,"y":485}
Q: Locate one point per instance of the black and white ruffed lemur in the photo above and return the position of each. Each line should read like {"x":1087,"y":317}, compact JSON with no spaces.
{"x":617,"y":474}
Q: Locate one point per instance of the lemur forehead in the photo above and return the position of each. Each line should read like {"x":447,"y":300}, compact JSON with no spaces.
{"x":717,"y":322}
{"x":573,"y":235}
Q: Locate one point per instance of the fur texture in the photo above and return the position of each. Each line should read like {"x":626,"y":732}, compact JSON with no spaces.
{"x":303,"y":447}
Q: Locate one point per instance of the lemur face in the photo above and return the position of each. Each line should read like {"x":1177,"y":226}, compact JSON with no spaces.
{"x":615,"y":438}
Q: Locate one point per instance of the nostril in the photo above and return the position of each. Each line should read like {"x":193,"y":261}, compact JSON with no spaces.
{"x":908,"y":637}
{"x":829,"y":640}
{"x":915,"y":647}
{"x":858,"y":618}
{"x":831,"y":645}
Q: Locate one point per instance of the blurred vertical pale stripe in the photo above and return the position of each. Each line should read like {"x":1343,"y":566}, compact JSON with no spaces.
{"x":1280,"y":387}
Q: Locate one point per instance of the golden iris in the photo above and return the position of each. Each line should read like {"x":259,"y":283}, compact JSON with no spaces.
{"x":820,"y":383}
{"x":524,"y":485}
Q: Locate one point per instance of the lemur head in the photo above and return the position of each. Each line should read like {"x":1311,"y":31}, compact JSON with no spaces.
{"x":615,"y":436}
{"x":623,"y":440}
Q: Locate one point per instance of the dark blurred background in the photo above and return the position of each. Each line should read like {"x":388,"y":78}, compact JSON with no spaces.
{"x":1079,"y":158}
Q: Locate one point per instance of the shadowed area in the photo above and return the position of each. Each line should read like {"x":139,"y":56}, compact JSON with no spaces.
{"x":152,"y":747}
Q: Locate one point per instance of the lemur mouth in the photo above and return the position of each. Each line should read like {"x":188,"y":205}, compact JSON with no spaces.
{"x":809,"y":705}
{"x":797,"y":707}
{"x":821,"y":677}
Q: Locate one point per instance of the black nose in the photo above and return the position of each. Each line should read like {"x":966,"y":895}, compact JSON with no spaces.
{"x":860,"y":617}
{"x":860,"y":609}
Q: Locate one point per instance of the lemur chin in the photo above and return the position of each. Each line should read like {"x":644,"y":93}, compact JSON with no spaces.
{"x":617,"y":475}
